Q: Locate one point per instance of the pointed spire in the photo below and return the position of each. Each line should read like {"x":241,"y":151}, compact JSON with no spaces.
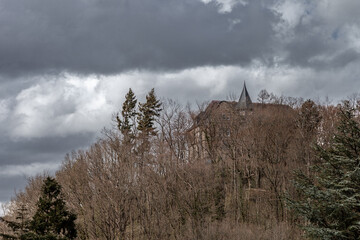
{"x":244,"y":100}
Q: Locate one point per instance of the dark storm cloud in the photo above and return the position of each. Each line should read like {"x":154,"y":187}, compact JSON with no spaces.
{"x":46,"y":149}
{"x":25,"y":158}
{"x":65,"y":65}
{"x":94,"y":36}
{"x":317,"y":54}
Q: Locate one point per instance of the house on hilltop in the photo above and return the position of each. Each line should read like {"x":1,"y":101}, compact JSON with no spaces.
{"x":216,"y":127}
{"x":258,"y":145}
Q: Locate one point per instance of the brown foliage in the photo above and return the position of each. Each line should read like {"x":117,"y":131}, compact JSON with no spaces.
{"x":223,"y":179}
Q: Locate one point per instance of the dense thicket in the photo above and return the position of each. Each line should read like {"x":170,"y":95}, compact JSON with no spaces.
{"x":51,"y":221}
{"x":330,"y":196}
{"x":164,"y":176}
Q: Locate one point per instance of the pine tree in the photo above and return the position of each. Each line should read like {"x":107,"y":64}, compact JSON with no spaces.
{"x":128,"y":113}
{"x":330,"y":200}
{"x":148,"y":112}
{"x":52,"y":220}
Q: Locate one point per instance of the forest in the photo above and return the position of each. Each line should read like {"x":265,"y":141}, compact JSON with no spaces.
{"x":289,"y":169}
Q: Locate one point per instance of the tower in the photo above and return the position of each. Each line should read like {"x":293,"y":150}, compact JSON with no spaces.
{"x":244,"y":102}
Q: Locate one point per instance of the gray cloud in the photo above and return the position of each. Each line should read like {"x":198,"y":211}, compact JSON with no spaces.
{"x":47,"y":36}
{"x":24,"y":158}
{"x":66,"y":65}
{"x":322,"y":34}
{"x":86,"y":37}
{"x":8,"y":186}
{"x":45,"y":149}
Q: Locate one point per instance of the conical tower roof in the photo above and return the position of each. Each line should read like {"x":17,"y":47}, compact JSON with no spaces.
{"x":244,"y":100}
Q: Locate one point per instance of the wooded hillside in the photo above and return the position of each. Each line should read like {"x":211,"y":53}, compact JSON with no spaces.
{"x":150,"y":177}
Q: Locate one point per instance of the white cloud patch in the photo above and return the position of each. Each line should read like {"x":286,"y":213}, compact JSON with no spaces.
{"x":353,"y":37}
{"x":329,"y":13}
{"x":3,"y":208}
{"x":74,"y":104}
{"x":291,"y":13}
{"x":59,"y":107}
{"x":226,"y":5}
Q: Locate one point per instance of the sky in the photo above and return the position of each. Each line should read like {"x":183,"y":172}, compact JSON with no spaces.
{"x":66,"y":65}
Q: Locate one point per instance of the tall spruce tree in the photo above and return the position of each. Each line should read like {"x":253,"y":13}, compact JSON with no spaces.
{"x":52,"y":220}
{"x":148,"y":112}
{"x":330,"y":199}
{"x":126,"y":124}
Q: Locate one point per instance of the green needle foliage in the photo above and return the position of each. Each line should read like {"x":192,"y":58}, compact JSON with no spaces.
{"x":148,"y":112}
{"x":128,"y":113}
{"x":330,"y":197}
{"x":20,"y":226}
{"x":52,"y":220}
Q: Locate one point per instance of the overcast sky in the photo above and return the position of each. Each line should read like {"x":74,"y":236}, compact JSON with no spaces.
{"x":65,"y":65}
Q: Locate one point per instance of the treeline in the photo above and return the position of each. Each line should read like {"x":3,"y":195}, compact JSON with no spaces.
{"x":160,"y":173}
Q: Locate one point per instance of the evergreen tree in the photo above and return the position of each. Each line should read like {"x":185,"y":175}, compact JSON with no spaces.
{"x":330,"y":200}
{"x":19,"y":226}
{"x":309,"y":119}
{"x":128,"y":113}
{"x":148,"y":112}
{"x":52,"y":220}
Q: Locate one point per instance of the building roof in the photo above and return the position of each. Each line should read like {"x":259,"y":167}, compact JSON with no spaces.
{"x":224,"y":108}
{"x":244,"y":100}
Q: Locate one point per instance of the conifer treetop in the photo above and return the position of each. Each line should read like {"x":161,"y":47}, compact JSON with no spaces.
{"x":52,"y":220}
{"x":148,"y":112}
{"x":127,"y":120}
